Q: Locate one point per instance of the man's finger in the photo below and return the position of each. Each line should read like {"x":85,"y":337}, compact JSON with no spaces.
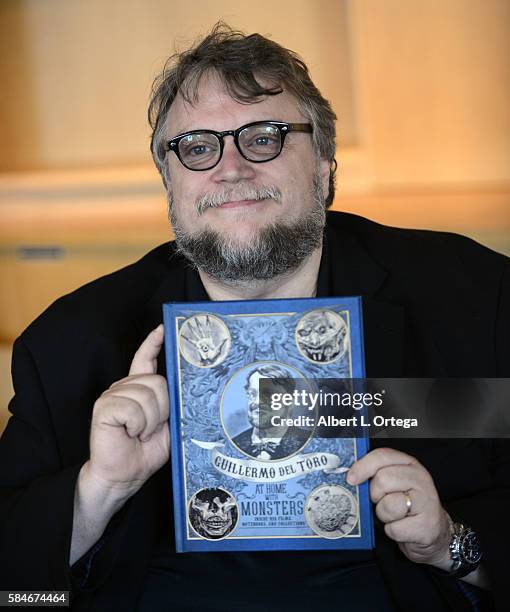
{"x":394,"y":478}
{"x":150,"y":382}
{"x":145,"y":360}
{"x":410,"y":529}
{"x":368,"y":465}
{"x":393,"y":507}
{"x":146,"y":399}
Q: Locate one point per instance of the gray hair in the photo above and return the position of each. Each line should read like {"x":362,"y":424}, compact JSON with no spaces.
{"x":239,"y":59}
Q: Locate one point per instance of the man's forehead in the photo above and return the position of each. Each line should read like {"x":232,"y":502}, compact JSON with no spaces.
{"x":202,"y":88}
{"x":210,"y":101}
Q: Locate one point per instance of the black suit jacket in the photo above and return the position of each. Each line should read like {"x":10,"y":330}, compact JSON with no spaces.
{"x":435,"y":305}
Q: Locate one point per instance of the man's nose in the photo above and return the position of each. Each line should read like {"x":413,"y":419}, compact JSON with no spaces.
{"x":232,"y":166}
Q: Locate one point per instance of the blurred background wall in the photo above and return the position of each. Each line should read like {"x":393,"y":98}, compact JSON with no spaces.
{"x":421,"y":89}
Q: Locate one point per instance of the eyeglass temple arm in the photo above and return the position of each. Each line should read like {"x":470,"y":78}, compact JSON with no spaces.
{"x":300,"y":127}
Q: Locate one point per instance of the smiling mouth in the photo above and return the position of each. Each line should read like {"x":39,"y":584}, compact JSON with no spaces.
{"x":241,"y":203}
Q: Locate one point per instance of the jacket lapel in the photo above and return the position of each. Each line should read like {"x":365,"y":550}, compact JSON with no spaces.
{"x":172,"y":288}
{"x":353,"y":272}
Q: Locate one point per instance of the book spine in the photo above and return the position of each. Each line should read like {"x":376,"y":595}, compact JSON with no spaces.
{"x":171,"y":349}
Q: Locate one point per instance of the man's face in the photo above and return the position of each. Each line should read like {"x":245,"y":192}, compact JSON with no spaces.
{"x":260,"y":412}
{"x":239,"y":221}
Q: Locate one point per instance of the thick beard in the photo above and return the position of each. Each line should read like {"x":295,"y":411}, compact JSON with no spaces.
{"x":278,"y":249}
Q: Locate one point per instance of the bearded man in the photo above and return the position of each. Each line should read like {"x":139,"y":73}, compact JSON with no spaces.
{"x":245,"y":145}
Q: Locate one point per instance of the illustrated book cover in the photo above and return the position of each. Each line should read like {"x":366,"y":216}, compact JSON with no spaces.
{"x":255,"y":465}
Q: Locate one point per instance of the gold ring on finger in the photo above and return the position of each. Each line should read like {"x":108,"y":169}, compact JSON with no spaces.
{"x":409,"y":502}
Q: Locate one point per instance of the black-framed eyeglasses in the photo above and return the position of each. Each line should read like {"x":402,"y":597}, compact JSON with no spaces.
{"x":258,"y":142}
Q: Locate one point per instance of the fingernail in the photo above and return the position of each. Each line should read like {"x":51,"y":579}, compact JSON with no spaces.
{"x":351,"y":478}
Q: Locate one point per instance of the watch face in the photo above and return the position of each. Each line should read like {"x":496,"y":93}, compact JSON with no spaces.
{"x":470,"y":548}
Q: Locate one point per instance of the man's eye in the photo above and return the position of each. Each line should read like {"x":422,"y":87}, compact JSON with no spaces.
{"x":197,"y":147}
{"x":198,"y":150}
{"x":263,"y":141}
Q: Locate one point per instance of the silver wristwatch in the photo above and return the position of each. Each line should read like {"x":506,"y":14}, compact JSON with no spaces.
{"x":465,"y":550}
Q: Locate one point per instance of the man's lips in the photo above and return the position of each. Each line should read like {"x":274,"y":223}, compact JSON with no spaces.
{"x":241,"y":203}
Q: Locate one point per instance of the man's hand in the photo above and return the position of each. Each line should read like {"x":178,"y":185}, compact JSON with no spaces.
{"x":129,"y":441}
{"x":129,"y":438}
{"x":423,"y":533}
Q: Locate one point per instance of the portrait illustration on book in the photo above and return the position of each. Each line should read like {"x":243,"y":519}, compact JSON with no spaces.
{"x":257,"y":429}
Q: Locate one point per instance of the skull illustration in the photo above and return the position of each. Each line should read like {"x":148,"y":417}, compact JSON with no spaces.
{"x":213,"y":513}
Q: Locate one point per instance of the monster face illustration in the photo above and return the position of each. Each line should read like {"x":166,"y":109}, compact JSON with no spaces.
{"x":263,"y":338}
{"x":321,"y":336}
{"x":205,"y":340}
{"x":213,"y":513}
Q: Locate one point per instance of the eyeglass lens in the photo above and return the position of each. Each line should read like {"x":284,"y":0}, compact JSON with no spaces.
{"x":260,"y":142}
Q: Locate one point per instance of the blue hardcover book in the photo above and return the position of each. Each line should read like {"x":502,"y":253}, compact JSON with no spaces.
{"x":253,"y":467}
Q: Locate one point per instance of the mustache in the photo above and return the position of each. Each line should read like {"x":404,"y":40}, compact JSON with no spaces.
{"x":237,"y":193}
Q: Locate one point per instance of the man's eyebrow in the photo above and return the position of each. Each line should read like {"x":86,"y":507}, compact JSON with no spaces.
{"x":202,"y":127}
{"x":175,"y":133}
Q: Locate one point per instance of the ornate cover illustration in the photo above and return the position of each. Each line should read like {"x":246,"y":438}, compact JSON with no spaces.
{"x":247,"y":477}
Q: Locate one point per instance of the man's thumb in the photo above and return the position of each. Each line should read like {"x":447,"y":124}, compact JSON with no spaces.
{"x":145,"y":360}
